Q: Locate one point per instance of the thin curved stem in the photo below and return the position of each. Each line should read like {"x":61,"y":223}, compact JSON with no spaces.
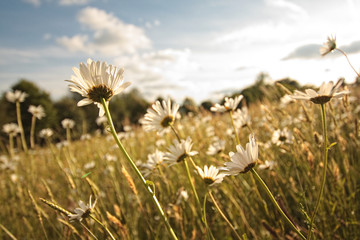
{"x":223,"y":215}
{"x":137,"y":171}
{"x":263,"y":184}
{"x":348,"y":61}
{"x":325,"y":156}
{"x":32,"y":132}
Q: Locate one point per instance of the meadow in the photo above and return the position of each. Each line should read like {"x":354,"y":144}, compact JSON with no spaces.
{"x":40,"y":187}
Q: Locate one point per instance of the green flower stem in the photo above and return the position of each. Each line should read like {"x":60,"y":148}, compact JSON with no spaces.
{"x":235,"y":131}
{"x":68,"y":135}
{"x":263,"y":184}
{"x":137,"y":171}
{"x":32,"y":132}
{"x":11,"y":145}
{"x":22,"y":134}
{"x":348,"y":61}
{"x":87,"y":229}
{"x":325,"y":156}
{"x":223,"y":216}
{"x":103,"y":226}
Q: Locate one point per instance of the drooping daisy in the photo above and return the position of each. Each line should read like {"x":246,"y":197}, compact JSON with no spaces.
{"x":325,"y":93}
{"x":179,"y":151}
{"x":230,"y":104}
{"x":281,"y":136}
{"x":96,"y":81}
{"x":267,"y":165}
{"x":242,"y":117}
{"x":82,"y":212}
{"x":329,"y":46}
{"x":46,"y":133}
{"x":160,"y":116}
{"x":37,"y":111}
{"x":16,"y":96}
{"x":67,"y":123}
{"x":11,"y":128}
{"x":211,"y":175}
{"x":216,"y":147}
{"x":243,"y":160}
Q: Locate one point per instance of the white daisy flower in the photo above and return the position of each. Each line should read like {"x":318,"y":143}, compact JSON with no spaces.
{"x":211,"y":175}
{"x":179,"y":151}
{"x":216,"y":147}
{"x":67,"y":123}
{"x":282,"y":136}
{"x":243,"y":160}
{"x":325,"y":93}
{"x":241,"y":117}
{"x":11,"y":128}
{"x":16,"y":96}
{"x":230,"y":104}
{"x":101,"y":120}
{"x":267,"y":165}
{"x":329,"y":46}
{"x":95,"y":81}
{"x":37,"y":111}
{"x":82,"y":212}
{"x":153,"y":161}
{"x":46,"y":133}
{"x":160,"y":116}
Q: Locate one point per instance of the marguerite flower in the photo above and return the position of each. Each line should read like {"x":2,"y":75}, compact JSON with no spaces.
{"x":230,"y":104}
{"x":67,"y":123}
{"x":82,"y":212}
{"x":179,"y":151}
{"x":211,"y":175}
{"x":282,"y":136}
{"x":325,"y":93}
{"x":160,"y":116}
{"x":16,"y":96}
{"x":153,"y":161}
{"x":96,"y":81}
{"x":46,"y":133}
{"x":216,"y":147}
{"x":37,"y":111}
{"x":11,"y":128}
{"x":243,"y":160}
{"x":329,"y":46}
{"x":242,"y":117}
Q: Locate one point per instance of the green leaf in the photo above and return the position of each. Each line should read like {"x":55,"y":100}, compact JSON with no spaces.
{"x":86,"y":174}
{"x":331,"y":145}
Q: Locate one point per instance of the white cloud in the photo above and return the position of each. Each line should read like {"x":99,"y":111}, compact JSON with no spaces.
{"x":110,"y":36}
{"x":35,"y":3}
{"x":73,"y":2}
{"x":164,"y":69}
{"x":291,"y":9}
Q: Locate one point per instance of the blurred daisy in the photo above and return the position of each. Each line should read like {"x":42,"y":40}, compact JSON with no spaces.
{"x":243,"y":160}
{"x":242,"y":117}
{"x":211,"y":175}
{"x":85,"y":136}
{"x":89,"y":165}
{"x":110,"y":158}
{"x":82,"y":212}
{"x":101,"y":120}
{"x":96,"y":81}
{"x":230,"y":104}
{"x":179,"y":151}
{"x":216,"y":147}
{"x":325,"y":93}
{"x":153,"y":161}
{"x":182,"y":195}
{"x":267,"y":165}
{"x":282,"y":136}
{"x":16,"y":96}
{"x":46,"y":133}
{"x":37,"y":111}
{"x":329,"y":46}
{"x":67,"y":123}
{"x":160,"y":116}
{"x":11,"y":129}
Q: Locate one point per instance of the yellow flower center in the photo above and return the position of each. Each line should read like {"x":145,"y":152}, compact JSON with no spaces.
{"x":167,"y":121}
{"x":209,"y":180}
{"x":181,"y":157}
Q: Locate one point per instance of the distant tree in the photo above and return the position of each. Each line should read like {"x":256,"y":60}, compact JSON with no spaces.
{"x":206,"y":105}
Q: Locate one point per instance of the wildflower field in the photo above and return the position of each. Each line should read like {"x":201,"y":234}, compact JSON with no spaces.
{"x":285,"y":167}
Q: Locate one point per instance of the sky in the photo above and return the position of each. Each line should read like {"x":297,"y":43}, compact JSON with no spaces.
{"x":201,"y":49}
